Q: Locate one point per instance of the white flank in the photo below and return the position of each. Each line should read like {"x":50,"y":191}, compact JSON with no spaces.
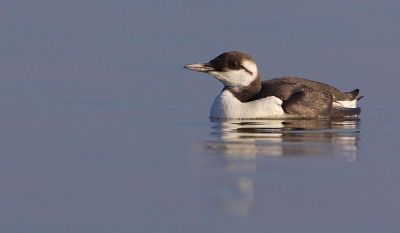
{"x":345,"y":104}
{"x":226,"y":105}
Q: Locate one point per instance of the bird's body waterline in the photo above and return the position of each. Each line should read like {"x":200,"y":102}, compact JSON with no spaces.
{"x":245,"y":96}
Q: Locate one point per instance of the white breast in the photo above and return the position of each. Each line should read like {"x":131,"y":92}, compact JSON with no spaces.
{"x":226,"y":105}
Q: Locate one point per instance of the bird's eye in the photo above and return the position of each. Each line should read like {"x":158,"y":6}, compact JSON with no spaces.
{"x":233,"y":64}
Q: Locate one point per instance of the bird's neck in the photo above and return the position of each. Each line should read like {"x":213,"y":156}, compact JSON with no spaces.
{"x":244,"y":94}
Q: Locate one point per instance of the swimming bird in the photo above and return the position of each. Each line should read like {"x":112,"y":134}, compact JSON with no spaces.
{"x":244,"y":96}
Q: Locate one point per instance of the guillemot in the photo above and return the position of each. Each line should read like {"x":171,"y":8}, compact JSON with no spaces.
{"x":244,"y":96}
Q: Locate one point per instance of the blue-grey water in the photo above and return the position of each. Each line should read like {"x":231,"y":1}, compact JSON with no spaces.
{"x":102,"y":130}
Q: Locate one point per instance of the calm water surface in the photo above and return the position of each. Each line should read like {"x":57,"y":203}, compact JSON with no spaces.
{"x":113,"y":167}
{"x":102,"y":130}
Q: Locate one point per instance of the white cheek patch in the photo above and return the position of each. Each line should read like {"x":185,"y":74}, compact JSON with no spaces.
{"x":238,"y":78}
{"x":234,"y":78}
{"x":250,"y":66}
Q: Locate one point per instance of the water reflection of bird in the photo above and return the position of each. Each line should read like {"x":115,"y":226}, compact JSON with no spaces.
{"x":252,"y":138}
{"x":245,"y":96}
{"x":240,"y":144}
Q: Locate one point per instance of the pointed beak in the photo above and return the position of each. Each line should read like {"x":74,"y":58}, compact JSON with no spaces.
{"x":200,"y":67}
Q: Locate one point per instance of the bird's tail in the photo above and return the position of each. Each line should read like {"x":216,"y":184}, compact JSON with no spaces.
{"x":352,"y":95}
